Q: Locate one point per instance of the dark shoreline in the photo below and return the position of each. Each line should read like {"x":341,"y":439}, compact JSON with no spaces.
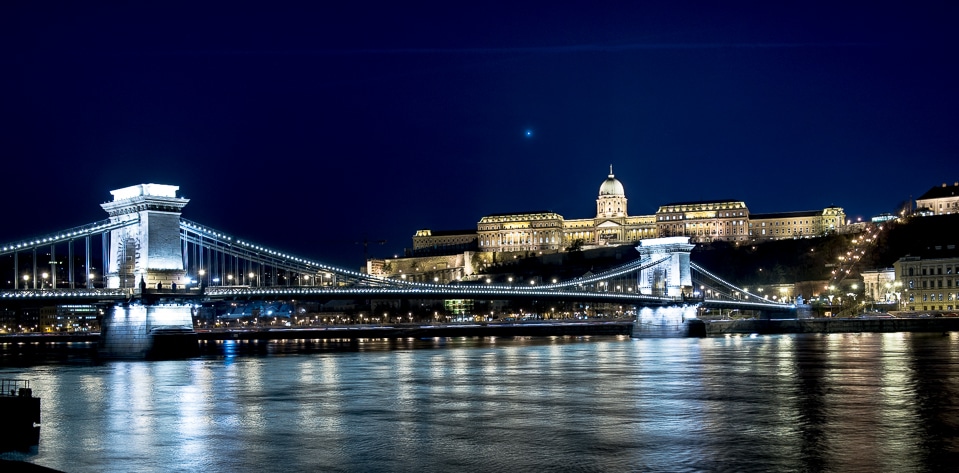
{"x":534,"y":329}
{"x":531,"y":329}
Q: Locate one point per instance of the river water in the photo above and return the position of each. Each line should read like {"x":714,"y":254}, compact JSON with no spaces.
{"x":836,"y":402}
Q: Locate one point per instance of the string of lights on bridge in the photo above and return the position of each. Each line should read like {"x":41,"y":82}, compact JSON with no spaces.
{"x":66,"y":235}
{"x":397,"y":286}
{"x":734,"y":287}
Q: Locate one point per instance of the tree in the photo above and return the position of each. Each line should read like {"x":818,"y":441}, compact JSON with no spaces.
{"x":577,"y":245}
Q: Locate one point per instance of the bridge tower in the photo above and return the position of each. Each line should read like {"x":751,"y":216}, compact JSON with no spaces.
{"x":148,"y":248}
{"x":670,"y":278}
{"x":151,"y":248}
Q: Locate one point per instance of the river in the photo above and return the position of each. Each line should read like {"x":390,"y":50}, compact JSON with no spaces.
{"x":836,"y":402}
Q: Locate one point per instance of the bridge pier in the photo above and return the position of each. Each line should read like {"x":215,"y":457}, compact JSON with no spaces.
{"x":148,"y":332}
{"x":668,"y":322}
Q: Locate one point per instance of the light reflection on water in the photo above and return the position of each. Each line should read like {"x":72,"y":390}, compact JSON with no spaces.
{"x":840,"y":402}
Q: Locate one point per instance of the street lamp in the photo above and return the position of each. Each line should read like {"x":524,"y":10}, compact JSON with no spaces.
{"x":26,"y":281}
{"x":898,"y":287}
{"x":44,"y":275}
{"x":252,"y":275}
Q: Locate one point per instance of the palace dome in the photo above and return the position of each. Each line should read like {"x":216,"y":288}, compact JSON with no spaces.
{"x":611,"y":186}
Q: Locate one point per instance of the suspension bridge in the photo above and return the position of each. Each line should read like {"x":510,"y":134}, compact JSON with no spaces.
{"x":147,"y":247}
{"x":148,"y":252}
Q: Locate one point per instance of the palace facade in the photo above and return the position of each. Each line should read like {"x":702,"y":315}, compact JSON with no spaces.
{"x":702,"y":221}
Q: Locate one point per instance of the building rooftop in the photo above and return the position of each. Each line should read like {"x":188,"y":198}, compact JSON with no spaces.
{"x":469,"y":231}
{"x":695,"y":202}
{"x":531,"y":212}
{"x":941,"y":191}
{"x":799,"y":213}
{"x":934,"y":252}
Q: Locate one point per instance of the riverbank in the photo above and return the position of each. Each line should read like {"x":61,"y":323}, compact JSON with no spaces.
{"x":532,"y":329}
{"x":708,"y":328}
{"x":12,"y":466}
{"x":495,"y":329}
{"x":883,"y":325}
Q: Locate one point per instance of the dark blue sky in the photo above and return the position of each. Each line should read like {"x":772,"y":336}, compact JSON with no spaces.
{"x":308,"y":129}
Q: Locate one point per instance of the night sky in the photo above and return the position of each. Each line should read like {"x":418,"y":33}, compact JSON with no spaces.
{"x":308,"y":129}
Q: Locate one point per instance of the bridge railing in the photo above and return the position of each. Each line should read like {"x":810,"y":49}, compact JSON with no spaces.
{"x":64,"y":235}
{"x":724,"y":290}
{"x":215,"y":240}
{"x":103,"y":293}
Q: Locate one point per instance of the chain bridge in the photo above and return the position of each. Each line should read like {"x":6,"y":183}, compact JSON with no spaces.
{"x":156,"y":268}
{"x":147,"y":249}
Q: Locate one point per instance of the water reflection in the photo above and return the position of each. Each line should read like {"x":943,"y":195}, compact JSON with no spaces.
{"x":836,"y":402}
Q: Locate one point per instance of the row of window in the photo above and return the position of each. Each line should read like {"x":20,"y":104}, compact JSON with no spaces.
{"x":936,"y":271}
{"x":517,"y":241}
{"x":932,"y":284}
{"x":727,"y":223}
{"x":609,"y":210}
{"x":932,"y":297}
{"x":783,"y":224}
{"x":932,"y":307}
{"x":785,"y":231}
{"x":681,"y":217}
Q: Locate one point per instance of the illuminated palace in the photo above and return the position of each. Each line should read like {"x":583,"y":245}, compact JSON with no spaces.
{"x":451,"y":255}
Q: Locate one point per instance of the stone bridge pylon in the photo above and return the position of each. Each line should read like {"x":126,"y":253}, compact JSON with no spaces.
{"x":149,"y":248}
{"x":671,"y":278}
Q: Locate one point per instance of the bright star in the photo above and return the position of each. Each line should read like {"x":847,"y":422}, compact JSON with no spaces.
{"x":529,"y":133}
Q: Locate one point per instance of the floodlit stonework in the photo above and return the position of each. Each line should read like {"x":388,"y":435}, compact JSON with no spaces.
{"x":149,"y":247}
{"x":930,"y":282}
{"x":701,"y":221}
{"x":543,"y":232}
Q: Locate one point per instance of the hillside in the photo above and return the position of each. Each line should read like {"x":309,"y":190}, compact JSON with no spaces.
{"x":787,"y":261}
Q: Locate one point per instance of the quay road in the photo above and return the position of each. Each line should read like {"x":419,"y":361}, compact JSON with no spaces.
{"x":357,"y":331}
